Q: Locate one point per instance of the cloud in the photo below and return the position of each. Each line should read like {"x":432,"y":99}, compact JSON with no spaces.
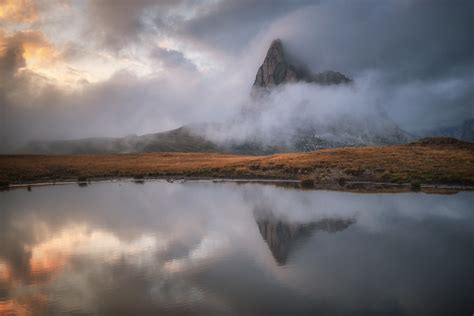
{"x":11,"y":56}
{"x":229,"y":26}
{"x":22,"y":11}
{"x":117,"y":24}
{"x":16,"y":50}
{"x":172,"y":59}
{"x":408,"y":40}
{"x":114,"y":23}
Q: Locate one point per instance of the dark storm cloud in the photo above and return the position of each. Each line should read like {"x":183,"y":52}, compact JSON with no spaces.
{"x":418,"y":55}
{"x":406,"y":39}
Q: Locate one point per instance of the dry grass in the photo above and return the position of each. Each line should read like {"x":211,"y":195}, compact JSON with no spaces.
{"x":422,"y":162}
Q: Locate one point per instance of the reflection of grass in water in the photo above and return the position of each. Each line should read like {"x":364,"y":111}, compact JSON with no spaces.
{"x":4,"y":185}
{"x":435,"y":161}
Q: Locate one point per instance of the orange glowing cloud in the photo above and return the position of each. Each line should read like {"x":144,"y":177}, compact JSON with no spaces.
{"x":38,"y":51}
{"x":35,"y":48}
{"x":33,"y":51}
{"x":19,"y":11}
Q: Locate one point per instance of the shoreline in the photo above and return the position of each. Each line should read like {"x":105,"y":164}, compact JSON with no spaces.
{"x":349,"y":186}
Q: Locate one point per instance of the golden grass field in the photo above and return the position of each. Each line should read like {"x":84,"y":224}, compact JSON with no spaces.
{"x":430,"y":161}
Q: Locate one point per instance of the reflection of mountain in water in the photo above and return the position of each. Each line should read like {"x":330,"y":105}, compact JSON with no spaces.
{"x":282,"y":236}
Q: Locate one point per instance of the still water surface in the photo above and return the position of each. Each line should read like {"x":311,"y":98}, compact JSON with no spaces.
{"x":240,"y":249}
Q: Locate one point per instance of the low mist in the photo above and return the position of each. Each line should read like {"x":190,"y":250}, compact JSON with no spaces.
{"x":275,"y":117}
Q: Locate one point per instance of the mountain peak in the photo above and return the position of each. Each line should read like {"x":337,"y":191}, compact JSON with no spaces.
{"x":275,"y":51}
{"x":276,"y":70}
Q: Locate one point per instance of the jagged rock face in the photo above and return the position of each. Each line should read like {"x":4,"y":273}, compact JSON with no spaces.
{"x":277,"y":70}
{"x":329,"y":77}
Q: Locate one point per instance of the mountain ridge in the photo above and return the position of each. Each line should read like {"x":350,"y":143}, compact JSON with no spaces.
{"x":276,"y":69}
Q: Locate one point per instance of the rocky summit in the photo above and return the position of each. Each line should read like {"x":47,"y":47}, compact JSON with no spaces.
{"x":277,"y":69}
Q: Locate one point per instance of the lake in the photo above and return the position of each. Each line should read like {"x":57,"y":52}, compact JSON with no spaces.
{"x":125,"y":248}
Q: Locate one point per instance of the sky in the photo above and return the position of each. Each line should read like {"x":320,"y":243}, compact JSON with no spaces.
{"x":72,"y":69}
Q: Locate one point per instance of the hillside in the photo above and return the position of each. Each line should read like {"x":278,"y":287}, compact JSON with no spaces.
{"x":463,"y":131}
{"x":439,"y":161}
{"x":178,"y":140}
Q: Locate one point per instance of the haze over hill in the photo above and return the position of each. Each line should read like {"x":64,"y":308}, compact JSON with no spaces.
{"x":302,"y":122}
{"x":464,"y":131}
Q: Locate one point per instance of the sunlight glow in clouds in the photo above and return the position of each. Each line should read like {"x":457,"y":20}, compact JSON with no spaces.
{"x":22,"y":11}
{"x":73,"y":68}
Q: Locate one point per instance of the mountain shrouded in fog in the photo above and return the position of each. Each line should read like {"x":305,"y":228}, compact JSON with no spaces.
{"x":329,"y":128}
{"x":358,"y":72}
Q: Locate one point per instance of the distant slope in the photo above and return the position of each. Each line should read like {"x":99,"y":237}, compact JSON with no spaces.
{"x":178,"y":140}
{"x":464,"y":131}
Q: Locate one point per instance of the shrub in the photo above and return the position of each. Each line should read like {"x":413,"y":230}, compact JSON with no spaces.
{"x":81,"y":179}
{"x":354,"y":171}
{"x":241,"y":171}
{"x":415,"y":186}
{"x":307,"y":183}
{"x":385,"y":176}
